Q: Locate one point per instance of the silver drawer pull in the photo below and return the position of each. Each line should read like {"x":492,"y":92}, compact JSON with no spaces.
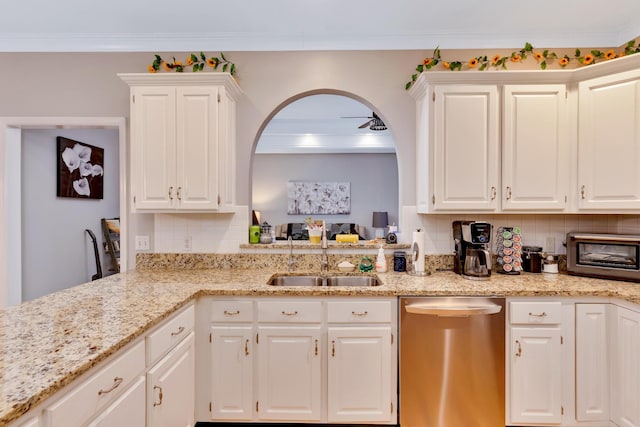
{"x":231,"y":313}
{"x":178,"y":332}
{"x":519,"y":351}
{"x":116,"y":382}
{"x":289,"y":313}
{"x":362,"y":313}
{"x":543,"y":314}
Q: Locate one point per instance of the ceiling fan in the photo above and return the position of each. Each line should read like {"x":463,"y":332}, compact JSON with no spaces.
{"x":374,"y":122}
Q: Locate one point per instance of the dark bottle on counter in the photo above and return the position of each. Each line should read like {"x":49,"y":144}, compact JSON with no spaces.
{"x":399,"y":261}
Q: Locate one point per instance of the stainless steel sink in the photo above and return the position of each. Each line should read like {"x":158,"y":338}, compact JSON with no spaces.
{"x":330,"y":280}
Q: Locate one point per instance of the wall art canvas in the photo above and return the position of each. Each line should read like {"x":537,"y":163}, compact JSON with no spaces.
{"x":80,"y":169}
{"x":313,"y":198}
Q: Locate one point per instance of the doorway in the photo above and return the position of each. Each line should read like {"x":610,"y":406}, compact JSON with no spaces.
{"x":12,"y":130}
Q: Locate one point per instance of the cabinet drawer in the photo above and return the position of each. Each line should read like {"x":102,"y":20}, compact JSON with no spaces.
{"x":232,"y":311}
{"x":359,"y":312}
{"x":76,"y":407}
{"x":535,"y":312}
{"x":290,"y":311}
{"x":170,"y":334}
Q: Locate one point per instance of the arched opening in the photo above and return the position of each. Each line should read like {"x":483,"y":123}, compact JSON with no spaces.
{"x":317,"y":141}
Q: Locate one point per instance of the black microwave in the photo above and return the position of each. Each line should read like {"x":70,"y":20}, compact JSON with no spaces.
{"x":610,"y":256}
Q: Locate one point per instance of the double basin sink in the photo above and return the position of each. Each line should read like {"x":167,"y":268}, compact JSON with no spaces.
{"x":311,"y":280}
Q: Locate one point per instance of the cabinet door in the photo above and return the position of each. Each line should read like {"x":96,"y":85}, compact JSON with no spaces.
{"x":231,"y":370}
{"x":609,"y":142}
{"x":535,"y":133}
{"x":127,"y":410}
{"x":171,"y":388}
{"x":197,"y":147}
{"x":153,"y":147}
{"x":466,"y":143}
{"x":535,"y":385}
{"x":625,"y":390}
{"x":592,"y":369}
{"x":289,"y":369}
{"x":359,"y":374}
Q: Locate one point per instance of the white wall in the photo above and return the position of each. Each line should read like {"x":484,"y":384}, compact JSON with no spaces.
{"x":56,"y":251}
{"x":373,"y":179}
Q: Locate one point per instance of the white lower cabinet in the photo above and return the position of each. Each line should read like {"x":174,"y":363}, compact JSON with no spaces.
{"x":535,"y":362}
{"x":127,"y":410}
{"x":309,"y":360}
{"x":359,"y":366}
{"x":592,"y":363}
{"x":170,"y":387}
{"x":289,"y":373}
{"x":625,"y":366}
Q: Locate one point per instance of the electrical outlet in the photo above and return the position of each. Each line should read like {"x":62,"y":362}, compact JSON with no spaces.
{"x":142,"y":243}
{"x":187,"y":243}
{"x":550,"y":245}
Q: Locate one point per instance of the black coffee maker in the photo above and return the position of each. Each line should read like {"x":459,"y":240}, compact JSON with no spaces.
{"x":472,"y":249}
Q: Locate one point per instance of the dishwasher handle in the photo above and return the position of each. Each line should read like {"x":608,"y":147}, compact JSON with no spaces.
{"x":453,"y":310}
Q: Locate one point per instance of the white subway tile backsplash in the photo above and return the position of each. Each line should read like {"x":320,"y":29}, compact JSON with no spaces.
{"x":223,"y":233}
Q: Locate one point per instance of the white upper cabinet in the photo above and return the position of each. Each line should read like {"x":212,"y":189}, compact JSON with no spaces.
{"x":535,"y":147}
{"x":182,"y":141}
{"x":609,"y":142}
{"x":466,"y":143}
{"x":529,"y":141}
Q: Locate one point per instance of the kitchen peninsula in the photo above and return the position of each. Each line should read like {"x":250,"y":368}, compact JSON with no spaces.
{"x":48,"y":343}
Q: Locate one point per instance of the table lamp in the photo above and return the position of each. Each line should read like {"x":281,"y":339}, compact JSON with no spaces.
{"x":380,"y":221}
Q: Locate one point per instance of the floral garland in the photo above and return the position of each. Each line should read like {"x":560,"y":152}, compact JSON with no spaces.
{"x":483,"y":62}
{"x":196,"y":63}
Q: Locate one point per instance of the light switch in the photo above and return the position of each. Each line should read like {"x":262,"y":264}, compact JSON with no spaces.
{"x":142,"y":243}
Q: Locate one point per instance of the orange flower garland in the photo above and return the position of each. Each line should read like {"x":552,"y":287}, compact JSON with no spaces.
{"x":196,"y":63}
{"x":543,"y":57}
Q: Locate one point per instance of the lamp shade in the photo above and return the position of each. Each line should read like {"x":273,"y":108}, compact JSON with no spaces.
{"x":380,"y":220}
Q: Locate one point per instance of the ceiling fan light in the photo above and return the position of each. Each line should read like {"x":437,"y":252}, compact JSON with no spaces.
{"x":377,"y":124}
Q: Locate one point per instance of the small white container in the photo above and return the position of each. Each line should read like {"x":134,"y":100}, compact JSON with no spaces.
{"x":346,"y":267}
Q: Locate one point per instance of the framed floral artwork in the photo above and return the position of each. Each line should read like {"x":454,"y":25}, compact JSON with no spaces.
{"x":310,"y":197}
{"x":80,"y":169}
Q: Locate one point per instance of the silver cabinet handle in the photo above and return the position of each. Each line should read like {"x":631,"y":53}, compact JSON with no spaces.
{"x":155,"y":387}
{"x":508,"y":193}
{"x":333,"y":348}
{"x":289,"y":313}
{"x":582,"y":192}
{"x":170,"y":193}
{"x":493,"y":193}
{"x":116,"y":382}
{"x":178,"y":193}
{"x":359,"y":314}
{"x":246,"y":347}
{"x":519,"y":351}
{"x":178,"y":332}
{"x":316,"y":349}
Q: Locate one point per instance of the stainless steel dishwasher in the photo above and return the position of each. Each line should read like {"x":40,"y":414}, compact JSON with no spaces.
{"x":452,"y":355}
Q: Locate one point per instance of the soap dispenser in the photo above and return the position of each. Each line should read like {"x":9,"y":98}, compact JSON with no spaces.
{"x":381,"y":261}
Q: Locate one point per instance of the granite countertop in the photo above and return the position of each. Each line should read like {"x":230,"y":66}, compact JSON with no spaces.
{"x":47,"y":343}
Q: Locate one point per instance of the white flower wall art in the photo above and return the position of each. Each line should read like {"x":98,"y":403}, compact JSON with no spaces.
{"x":313,"y":198}
{"x":80,"y":169}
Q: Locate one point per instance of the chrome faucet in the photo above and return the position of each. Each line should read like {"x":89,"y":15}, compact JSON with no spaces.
{"x":291,"y":261}
{"x":324,"y":261}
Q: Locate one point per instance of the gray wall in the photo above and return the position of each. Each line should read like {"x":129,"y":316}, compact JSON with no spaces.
{"x":373,"y":178}
{"x":56,"y":251}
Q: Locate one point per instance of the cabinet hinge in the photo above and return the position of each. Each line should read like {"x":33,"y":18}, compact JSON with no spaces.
{"x":392,"y":339}
{"x":134,"y":200}
{"x":210,"y":407}
{"x":218,"y":98}
{"x":561,"y":339}
{"x":562,"y":410}
{"x":257,"y":406}
{"x":433,"y":97}
{"x":134,"y":99}
{"x":218,"y":199}
{"x":210,"y":337}
{"x":565,"y":199}
{"x":257,"y":338}
{"x":392,"y":407}
{"x":433,"y":199}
